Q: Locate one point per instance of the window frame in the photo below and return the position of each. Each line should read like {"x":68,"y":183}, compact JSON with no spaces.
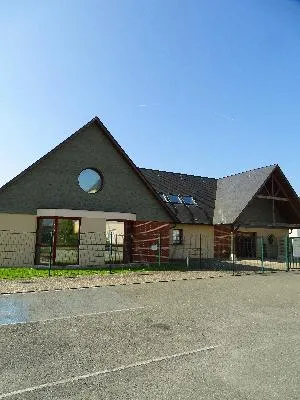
{"x":55,"y":227}
{"x":173,"y":202}
{"x":180,"y":241}
{"x":99,"y":173}
{"x":193,"y":202}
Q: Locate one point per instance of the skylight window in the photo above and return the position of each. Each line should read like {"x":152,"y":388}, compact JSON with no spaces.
{"x":189,"y":200}
{"x":174,"y":199}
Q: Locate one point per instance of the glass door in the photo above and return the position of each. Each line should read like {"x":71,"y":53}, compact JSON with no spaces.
{"x":67,"y":241}
{"x":44,"y":241}
{"x":58,"y":240}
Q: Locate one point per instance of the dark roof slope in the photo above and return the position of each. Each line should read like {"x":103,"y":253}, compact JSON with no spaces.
{"x":202,"y":189}
{"x":219,"y":201}
{"x":236,"y":191}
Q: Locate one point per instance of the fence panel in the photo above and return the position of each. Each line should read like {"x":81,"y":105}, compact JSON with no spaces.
{"x":294,"y":253}
{"x":154,"y":250}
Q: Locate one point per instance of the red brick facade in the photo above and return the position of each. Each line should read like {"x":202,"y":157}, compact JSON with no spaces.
{"x":141,"y":236}
{"x":222,"y":241}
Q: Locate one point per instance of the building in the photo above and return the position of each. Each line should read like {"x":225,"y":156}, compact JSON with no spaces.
{"x":87,"y":187}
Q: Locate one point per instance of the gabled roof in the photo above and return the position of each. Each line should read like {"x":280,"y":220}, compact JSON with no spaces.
{"x":114,"y":143}
{"x":219,"y":201}
{"x":236,"y":191}
{"x":202,"y":189}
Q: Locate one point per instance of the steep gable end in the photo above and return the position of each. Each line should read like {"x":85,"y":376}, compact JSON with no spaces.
{"x":275,"y":204}
{"x":235,"y":192}
{"x":52,"y":182}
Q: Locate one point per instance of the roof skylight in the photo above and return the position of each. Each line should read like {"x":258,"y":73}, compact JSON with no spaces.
{"x":189,"y":200}
{"x":174,"y":199}
{"x":177,"y":199}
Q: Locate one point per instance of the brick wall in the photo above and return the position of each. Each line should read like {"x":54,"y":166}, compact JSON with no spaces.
{"x":222,"y":241}
{"x":146,"y":234}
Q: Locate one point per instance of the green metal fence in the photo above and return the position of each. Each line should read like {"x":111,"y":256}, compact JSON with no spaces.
{"x":232,"y":252}
{"x":293,"y":253}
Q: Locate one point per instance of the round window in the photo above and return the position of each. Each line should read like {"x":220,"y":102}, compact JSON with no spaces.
{"x":90,"y":180}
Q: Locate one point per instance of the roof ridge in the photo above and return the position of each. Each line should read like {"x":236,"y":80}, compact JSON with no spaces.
{"x":249,"y":170}
{"x":176,"y":173}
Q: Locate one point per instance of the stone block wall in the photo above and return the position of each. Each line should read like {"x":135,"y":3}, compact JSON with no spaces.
{"x":17,"y":240}
{"x":92,"y":242}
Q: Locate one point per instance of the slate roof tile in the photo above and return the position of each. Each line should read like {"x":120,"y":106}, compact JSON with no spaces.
{"x":219,"y":201}
{"x":234,"y":193}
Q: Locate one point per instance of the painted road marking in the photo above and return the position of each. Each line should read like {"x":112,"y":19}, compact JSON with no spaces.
{"x":74,"y":316}
{"x":105,"y":371}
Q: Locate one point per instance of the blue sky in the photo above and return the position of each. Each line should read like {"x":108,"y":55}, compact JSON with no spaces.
{"x":203,"y":87}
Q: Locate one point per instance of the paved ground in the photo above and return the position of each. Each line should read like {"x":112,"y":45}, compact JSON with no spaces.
{"x":222,"y":338}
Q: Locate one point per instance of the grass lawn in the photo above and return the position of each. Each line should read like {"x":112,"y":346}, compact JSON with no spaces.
{"x":27,"y":273}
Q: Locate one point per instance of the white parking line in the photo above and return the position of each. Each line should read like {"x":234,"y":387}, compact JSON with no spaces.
{"x":74,"y":316}
{"x":104,"y":372}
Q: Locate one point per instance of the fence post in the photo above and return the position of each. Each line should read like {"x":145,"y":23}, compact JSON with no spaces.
{"x":232,"y":248}
{"x":200,"y":250}
{"x":262,"y":254}
{"x":51,"y":252}
{"x":287,"y":253}
{"x":159,"y":249}
{"x":110,"y":251}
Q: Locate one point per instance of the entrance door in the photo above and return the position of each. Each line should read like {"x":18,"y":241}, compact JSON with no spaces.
{"x":58,"y":239}
{"x":245,"y":245}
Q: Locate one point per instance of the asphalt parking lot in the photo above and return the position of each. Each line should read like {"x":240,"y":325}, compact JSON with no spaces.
{"x":221,"y":338}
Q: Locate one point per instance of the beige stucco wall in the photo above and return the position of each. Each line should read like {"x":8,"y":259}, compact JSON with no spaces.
{"x":191,"y":242}
{"x":295,"y":233}
{"x":17,"y":240}
{"x":115,"y":230}
{"x":18,"y":222}
{"x":92,"y":242}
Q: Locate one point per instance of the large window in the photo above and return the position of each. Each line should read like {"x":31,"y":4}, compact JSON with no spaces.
{"x":58,"y":240}
{"x":45,"y":231}
{"x":177,"y":236}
